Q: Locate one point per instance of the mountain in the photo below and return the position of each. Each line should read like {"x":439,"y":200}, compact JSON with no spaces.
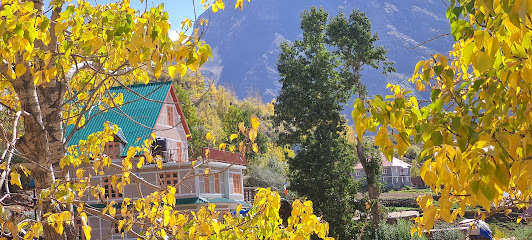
{"x":246,"y":44}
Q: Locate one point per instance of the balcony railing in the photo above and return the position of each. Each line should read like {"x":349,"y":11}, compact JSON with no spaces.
{"x":173,"y":155}
{"x":225,"y":157}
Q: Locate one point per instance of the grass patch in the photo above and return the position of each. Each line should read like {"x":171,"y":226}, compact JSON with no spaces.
{"x":398,"y":209}
{"x":413,"y":190}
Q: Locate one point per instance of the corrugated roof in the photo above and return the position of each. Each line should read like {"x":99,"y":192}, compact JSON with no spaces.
{"x":200,"y":200}
{"x":136,"y":116}
{"x":385,"y":163}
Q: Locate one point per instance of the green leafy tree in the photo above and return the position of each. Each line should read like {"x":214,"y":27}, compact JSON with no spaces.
{"x":354,"y":43}
{"x":269,"y":169}
{"x":475,"y":129}
{"x":308,"y":108}
{"x":57,"y":64}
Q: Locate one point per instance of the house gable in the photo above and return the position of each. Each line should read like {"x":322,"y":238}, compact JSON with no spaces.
{"x":136,"y":118}
{"x":162,"y":119}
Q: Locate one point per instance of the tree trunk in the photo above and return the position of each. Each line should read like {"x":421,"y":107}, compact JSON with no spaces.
{"x":371,"y":178}
{"x":371,"y":174}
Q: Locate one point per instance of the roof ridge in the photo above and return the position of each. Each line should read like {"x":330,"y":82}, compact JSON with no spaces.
{"x":142,"y":84}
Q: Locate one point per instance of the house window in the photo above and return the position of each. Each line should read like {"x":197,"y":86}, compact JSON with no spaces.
{"x":110,"y":192}
{"x":112,"y":149}
{"x":237,"y":183}
{"x":217,"y":183}
{"x":179,"y":152}
{"x":168,"y":179}
{"x":384,"y":179}
{"x":170,"y":115}
{"x":384,"y":171}
{"x":207,"y":183}
{"x":358,"y":173}
{"x":396,"y":179}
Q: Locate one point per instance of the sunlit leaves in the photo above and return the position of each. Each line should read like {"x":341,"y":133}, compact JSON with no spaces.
{"x":86,"y":50}
{"x":475,"y":130}
{"x":255,"y":122}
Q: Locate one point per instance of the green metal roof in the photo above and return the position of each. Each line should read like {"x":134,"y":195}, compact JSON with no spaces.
{"x":195,"y":200}
{"x":200,"y":200}
{"x":185,"y":201}
{"x":138,"y":117}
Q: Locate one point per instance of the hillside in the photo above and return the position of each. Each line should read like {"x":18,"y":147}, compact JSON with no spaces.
{"x":246,"y":43}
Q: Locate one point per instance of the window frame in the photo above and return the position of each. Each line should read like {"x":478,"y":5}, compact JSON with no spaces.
{"x":112,"y":153}
{"x":206,"y":183}
{"x":109,"y":191}
{"x":384,"y":171}
{"x":170,"y":120}
{"x":217,"y":183}
{"x":237,"y":183}
{"x":169,"y":179}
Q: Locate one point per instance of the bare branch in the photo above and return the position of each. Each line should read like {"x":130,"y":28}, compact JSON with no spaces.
{"x":137,"y":178}
{"x":10,"y":148}
{"x":97,"y":67}
{"x":4,"y":70}
{"x":8,"y":107}
{"x":95,"y":212}
{"x":426,"y":41}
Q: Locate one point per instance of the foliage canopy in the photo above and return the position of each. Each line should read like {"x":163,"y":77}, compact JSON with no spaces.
{"x":475,"y":130}
{"x":58,"y":64}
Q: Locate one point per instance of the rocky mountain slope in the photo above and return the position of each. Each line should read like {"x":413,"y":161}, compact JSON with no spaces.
{"x":246,"y":43}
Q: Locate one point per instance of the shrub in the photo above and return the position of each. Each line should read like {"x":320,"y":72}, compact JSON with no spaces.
{"x":399,"y":231}
{"x":412,"y":152}
{"x":523,"y":232}
{"x":448,"y":234}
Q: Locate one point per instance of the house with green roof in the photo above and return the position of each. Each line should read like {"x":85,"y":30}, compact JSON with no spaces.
{"x":154,"y":109}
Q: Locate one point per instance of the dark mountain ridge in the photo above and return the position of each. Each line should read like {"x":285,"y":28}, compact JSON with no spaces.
{"x":246,"y":43}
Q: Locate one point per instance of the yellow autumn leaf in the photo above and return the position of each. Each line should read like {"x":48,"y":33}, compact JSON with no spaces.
{"x":172,"y":71}
{"x":215,"y":226}
{"x":252,"y":135}
{"x":87,"y":231}
{"x":222,"y":146}
{"x":232,"y":137}
{"x":187,"y":22}
{"x":80,"y":172}
{"x":255,"y":122}
{"x":15,"y":179}
{"x":241,"y":127}
{"x":20,"y":69}
{"x":141,"y":162}
{"x":220,"y":4}
{"x":239,"y":4}
{"x":209,"y":136}
{"x":255,"y":148}
{"x":166,"y":217}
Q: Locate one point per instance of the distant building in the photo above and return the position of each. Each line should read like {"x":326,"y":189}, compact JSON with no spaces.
{"x":154,"y":109}
{"x":395,"y":174}
{"x":418,"y":182}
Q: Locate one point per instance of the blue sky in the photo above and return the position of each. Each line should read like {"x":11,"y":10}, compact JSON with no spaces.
{"x":178,"y":10}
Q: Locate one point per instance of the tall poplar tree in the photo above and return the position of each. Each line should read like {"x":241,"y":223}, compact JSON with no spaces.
{"x":354,"y":43}
{"x":319,"y":75}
